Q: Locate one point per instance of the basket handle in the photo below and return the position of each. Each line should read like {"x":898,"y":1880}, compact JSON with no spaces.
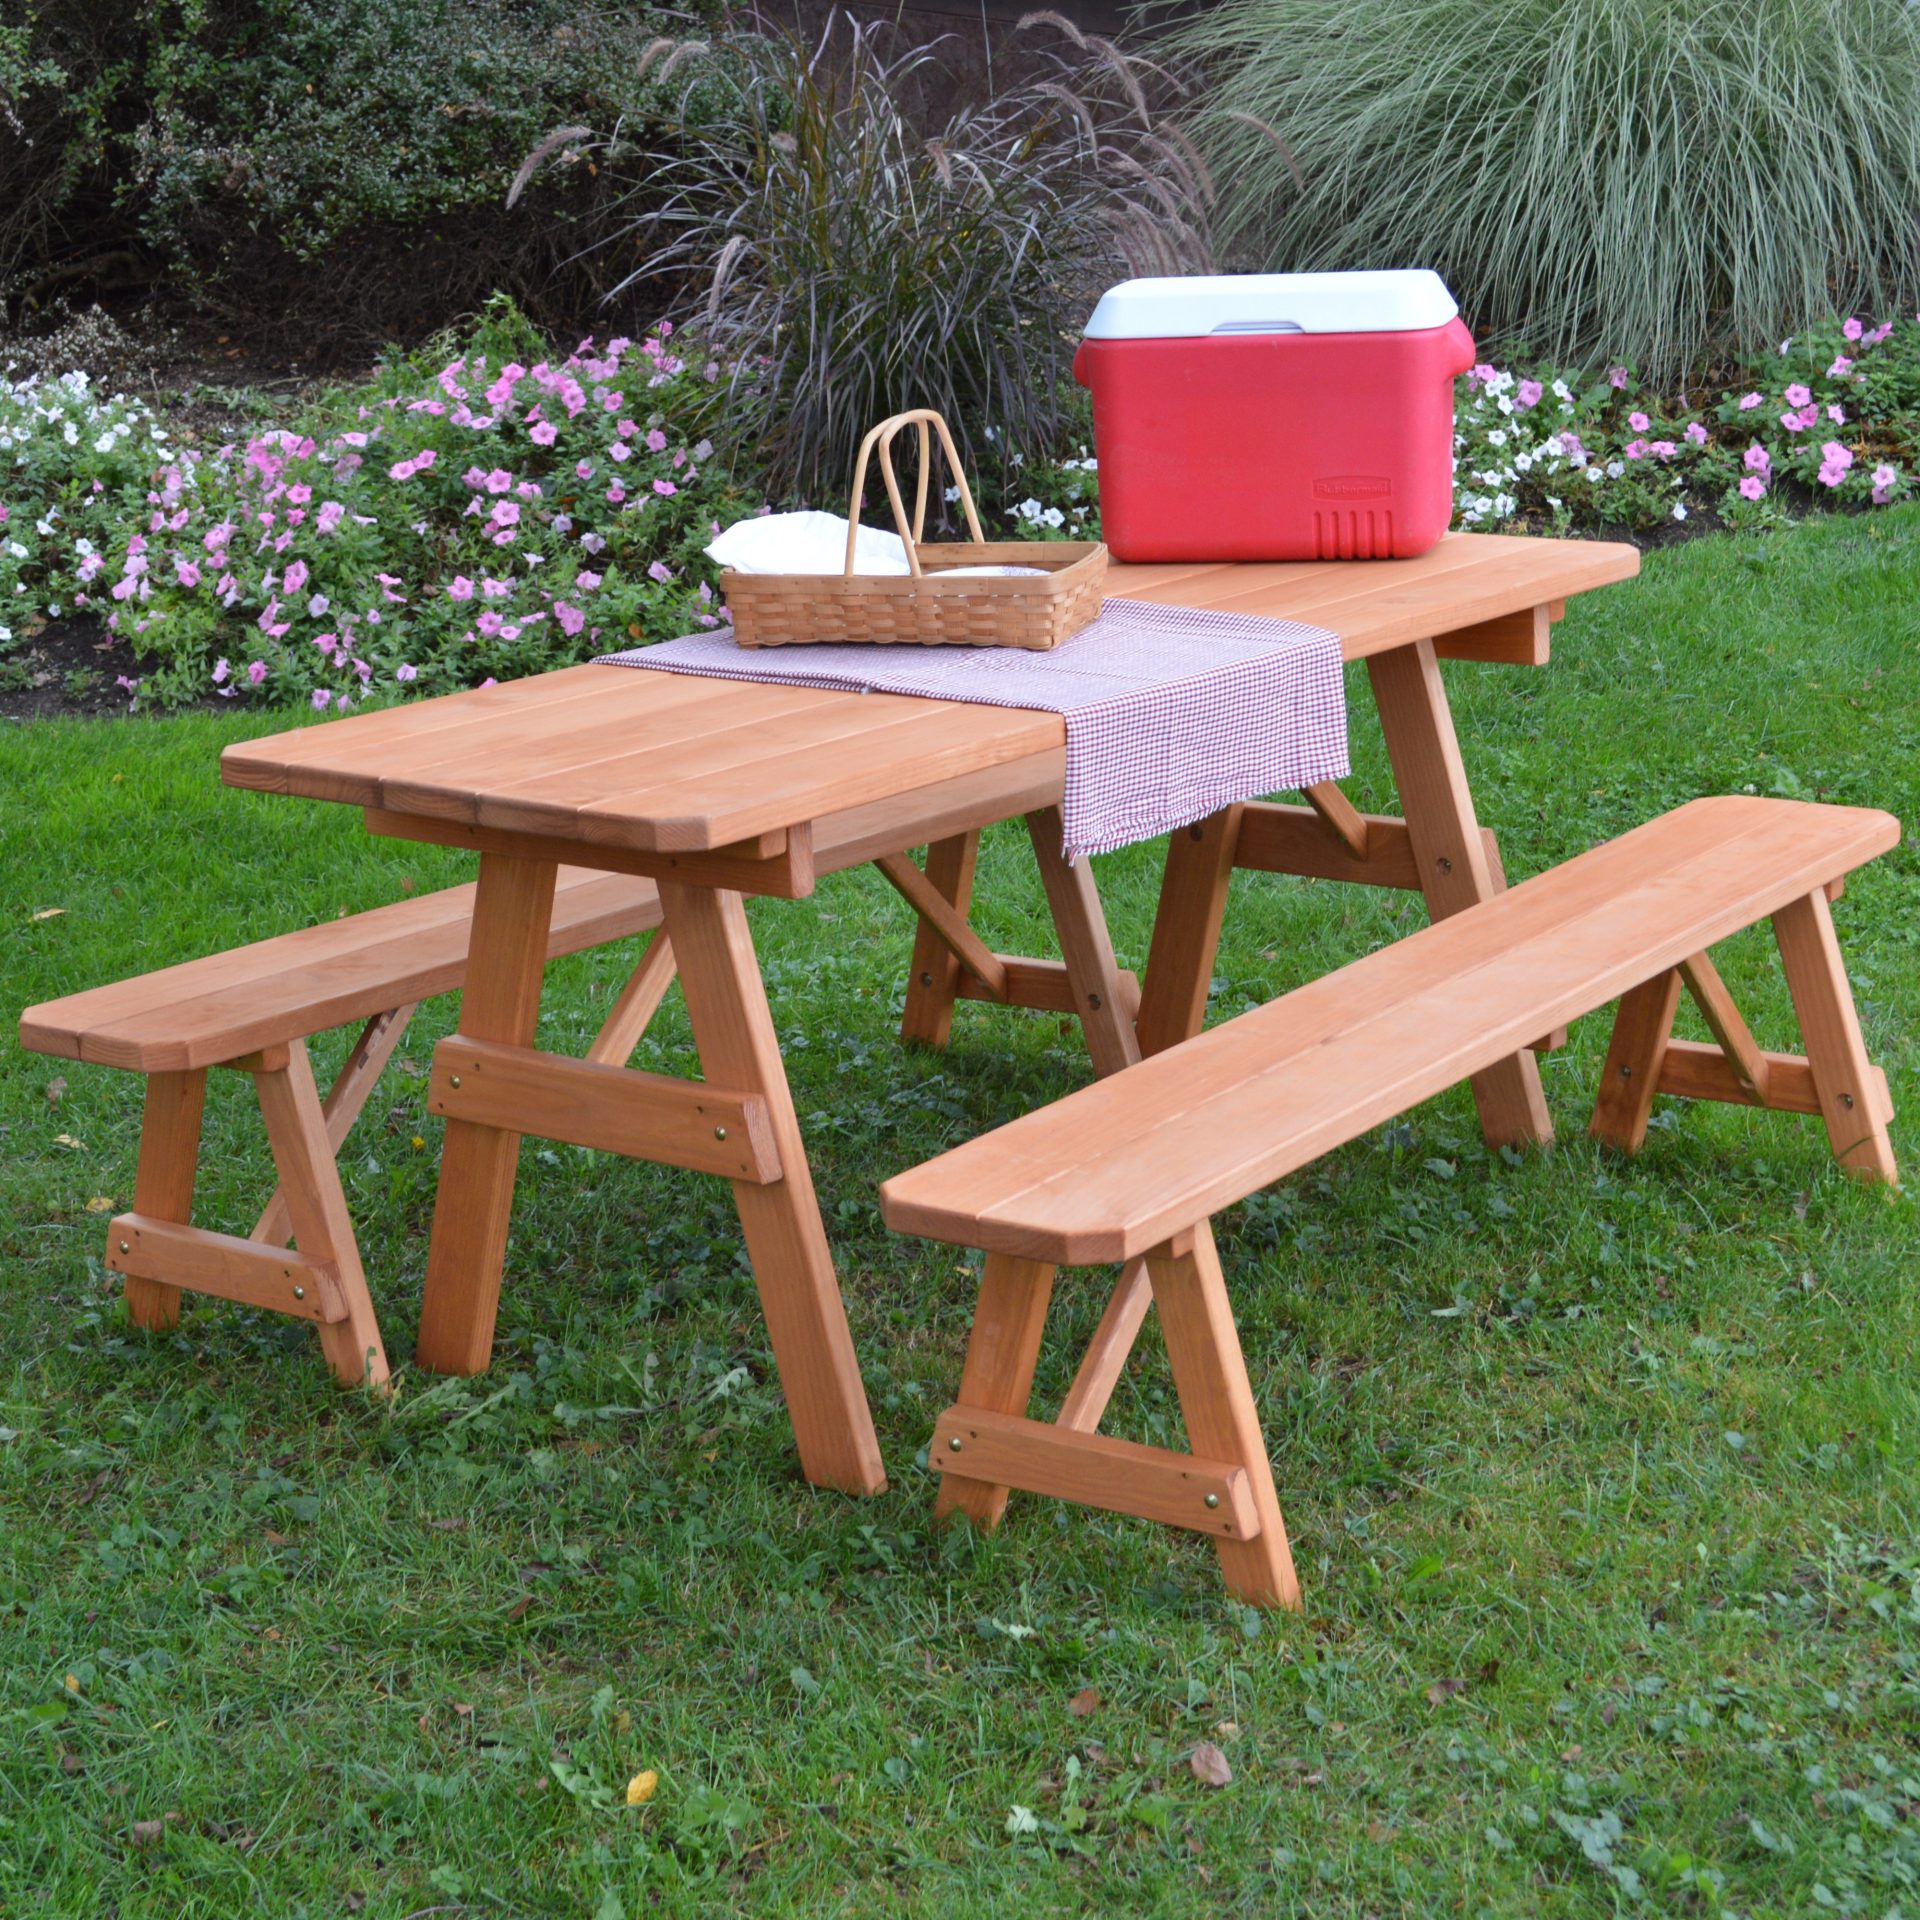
{"x":882,"y":436}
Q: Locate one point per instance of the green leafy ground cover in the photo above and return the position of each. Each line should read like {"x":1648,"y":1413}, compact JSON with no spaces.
{"x":1601,"y":1475}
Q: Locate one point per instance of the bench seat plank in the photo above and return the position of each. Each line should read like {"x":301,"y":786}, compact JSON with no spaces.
{"x":1106,"y":1174}
{"x":206,"y":1011}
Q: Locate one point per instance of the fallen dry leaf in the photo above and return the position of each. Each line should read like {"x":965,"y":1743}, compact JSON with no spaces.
{"x":1443,"y":1690}
{"x":641,"y":1788}
{"x":56,"y":1087}
{"x":518,"y":1609}
{"x":146,"y":1833}
{"x":48,"y":913}
{"x":100,"y":1203}
{"x":1209,"y":1765}
{"x":67,"y":1140}
{"x":1379,"y":1832}
{"x":1086,"y":1701}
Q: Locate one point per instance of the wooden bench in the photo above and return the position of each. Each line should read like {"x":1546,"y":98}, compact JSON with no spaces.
{"x":252,"y":1009}
{"x":1136,"y":1164}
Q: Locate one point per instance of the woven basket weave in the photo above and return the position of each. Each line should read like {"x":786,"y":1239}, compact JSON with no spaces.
{"x":923,"y":607}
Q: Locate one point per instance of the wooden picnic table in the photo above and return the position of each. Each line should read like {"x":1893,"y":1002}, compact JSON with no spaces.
{"x":719,"y":790}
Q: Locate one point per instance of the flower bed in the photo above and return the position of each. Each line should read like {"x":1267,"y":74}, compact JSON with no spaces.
{"x":487,"y":518}
{"x":1833,"y":420}
{"x":498,"y":512}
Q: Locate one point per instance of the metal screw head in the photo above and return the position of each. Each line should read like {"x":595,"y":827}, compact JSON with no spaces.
{"x":926,"y":979}
{"x":124,"y":1247}
{"x":1213,"y":1500}
{"x":719,"y":1133}
{"x":453,"y":1079}
{"x":953,"y":1445}
{"x":1846,"y":1100}
{"x":1626,"y":1073}
{"x":299,"y":1293}
{"x":1444,"y":864}
{"x":1093,"y":1000}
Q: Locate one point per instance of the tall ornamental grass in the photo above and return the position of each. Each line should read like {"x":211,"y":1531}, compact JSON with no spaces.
{"x":1653,"y":180}
{"x":846,"y":260}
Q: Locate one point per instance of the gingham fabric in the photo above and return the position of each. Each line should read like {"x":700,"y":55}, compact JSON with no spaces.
{"x":1172,"y":712}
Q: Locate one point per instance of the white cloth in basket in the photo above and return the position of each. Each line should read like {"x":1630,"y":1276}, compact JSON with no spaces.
{"x":816,"y":543}
{"x":1172,"y":712}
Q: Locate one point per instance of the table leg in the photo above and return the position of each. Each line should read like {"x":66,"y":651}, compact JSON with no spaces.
{"x":507,"y":959}
{"x":934,"y":979}
{"x":1085,"y":945}
{"x":806,"y":1319}
{"x":1186,"y":930}
{"x":1450,"y":854}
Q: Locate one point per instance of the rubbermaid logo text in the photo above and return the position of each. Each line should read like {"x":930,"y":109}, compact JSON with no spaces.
{"x":1353,"y":486}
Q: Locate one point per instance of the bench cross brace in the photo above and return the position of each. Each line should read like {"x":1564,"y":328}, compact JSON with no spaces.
{"x":984,"y":1444}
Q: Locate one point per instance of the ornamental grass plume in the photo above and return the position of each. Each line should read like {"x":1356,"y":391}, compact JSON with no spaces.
{"x":1648,"y":179}
{"x":844,"y":262}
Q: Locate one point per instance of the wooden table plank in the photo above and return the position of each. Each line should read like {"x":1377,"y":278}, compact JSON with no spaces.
{"x":597,"y":750}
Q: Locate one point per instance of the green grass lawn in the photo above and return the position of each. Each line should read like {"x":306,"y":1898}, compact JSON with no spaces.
{"x":1601,"y":1475}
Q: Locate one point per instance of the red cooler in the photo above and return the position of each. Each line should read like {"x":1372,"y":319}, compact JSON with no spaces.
{"x":1284,"y":416}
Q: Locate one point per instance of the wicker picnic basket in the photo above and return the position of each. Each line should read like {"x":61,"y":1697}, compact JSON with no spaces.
{"x":926,"y":606}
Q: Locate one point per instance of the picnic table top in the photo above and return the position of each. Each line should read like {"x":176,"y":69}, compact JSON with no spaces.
{"x":680,"y":763}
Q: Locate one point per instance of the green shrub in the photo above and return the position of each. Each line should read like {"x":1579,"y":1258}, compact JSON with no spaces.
{"x":1643,"y":179}
{"x":261,"y":148}
{"x":849,"y":265}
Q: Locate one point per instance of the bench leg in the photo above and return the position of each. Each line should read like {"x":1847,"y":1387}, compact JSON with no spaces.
{"x":1002,"y":1351}
{"x":322,"y":1226}
{"x":793,"y":1267}
{"x":933,"y":981}
{"x":1216,"y":1401}
{"x":639,"y":1000}
{"x":163,"y":1180}
{"x":501,"y":1001}
{"x":1085,"y":945}
{"x":345,"y":1098}
{"x":1843,"y":1077}
{"x":1450,"y":854}
{"x":1635,"y":1055}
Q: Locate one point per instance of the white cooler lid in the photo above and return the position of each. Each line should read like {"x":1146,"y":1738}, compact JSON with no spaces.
{"x":1396,"y":301}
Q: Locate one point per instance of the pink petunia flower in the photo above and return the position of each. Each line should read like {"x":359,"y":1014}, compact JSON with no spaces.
{"x":1798,"y":395}
{"x":405,"y":672}
{"x":660,"y":571}
{"x":321,"y":699}
{"x":583,"y":470}
{"x":506,"y":513}
{"x":1748,"y":401}
{"x":1752,"y":487}
{"x":1840,"y":368}
{"x":1837,"y":414}
{"x":186,"y":572}
{"x":499,"y":480}
{"x":666,"y":488}
{"x":256,"y":672}
{"x":1663,"y":449}
{"x":1616,"y":377}
{"x":1638,"y":422}
{"x":220,"y":672}
{"x":1852,"y":329}
{"x":656,"y":441}
{"x":296,"y":575}
{"x":585,"y":581}
{"x":1757,"y":459}
{"x":571,"y":618}
{"x":543,"y":433}
{"x":459,"y":588}
{"x":1696,"y":433}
